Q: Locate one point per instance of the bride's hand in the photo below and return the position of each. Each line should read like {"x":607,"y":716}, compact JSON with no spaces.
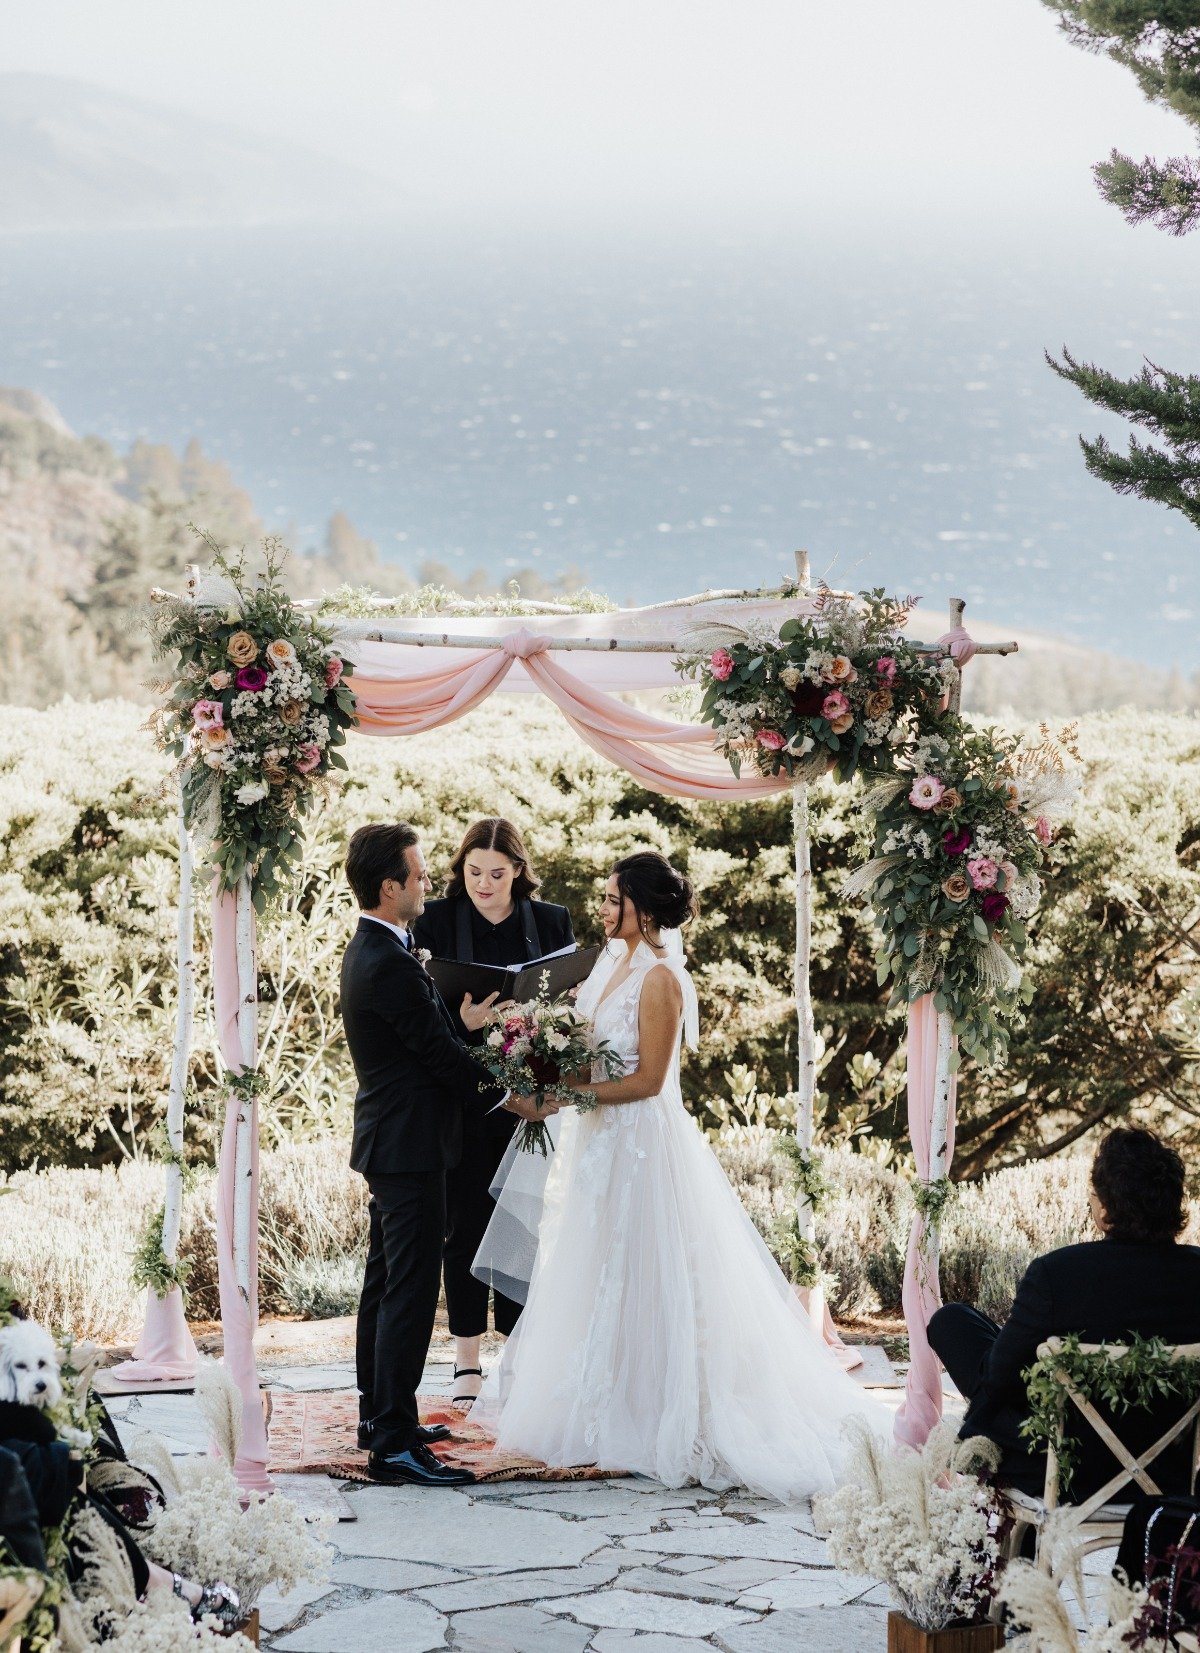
{"x":526,"y":1107}
{"x":474,"y":1016}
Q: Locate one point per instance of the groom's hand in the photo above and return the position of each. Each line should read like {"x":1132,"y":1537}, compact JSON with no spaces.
{"x":525,"y":1107}
{"x":474,"y":1016}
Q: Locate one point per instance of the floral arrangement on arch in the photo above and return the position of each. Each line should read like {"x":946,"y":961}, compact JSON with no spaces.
{"x":839,"y":689}
{"x":958,"y":836}
{"x":255,"y":712}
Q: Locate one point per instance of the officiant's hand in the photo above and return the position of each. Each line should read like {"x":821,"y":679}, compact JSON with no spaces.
{"x":525,"y":1107}
{"x":474,"y":1016}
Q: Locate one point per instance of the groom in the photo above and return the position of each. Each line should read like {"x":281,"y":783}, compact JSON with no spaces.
{"x":413,"y":1075}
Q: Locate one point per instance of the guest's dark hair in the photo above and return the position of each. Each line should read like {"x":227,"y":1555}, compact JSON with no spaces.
{"x":376,"y":853}
{"x":659,"y":893}
{"x":1140,"y":1184}
{"x":494,"y":832}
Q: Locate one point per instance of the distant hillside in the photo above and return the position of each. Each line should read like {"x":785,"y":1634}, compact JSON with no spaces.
{"x":75,"y":156}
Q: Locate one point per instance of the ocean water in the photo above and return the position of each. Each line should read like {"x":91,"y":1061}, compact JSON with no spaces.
{"x":664,"y":412}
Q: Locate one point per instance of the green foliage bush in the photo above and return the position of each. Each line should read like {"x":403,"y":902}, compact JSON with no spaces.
{"x":87,"y":933}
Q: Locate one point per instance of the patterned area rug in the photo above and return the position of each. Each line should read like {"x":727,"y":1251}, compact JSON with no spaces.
{"x":315,"y":1433}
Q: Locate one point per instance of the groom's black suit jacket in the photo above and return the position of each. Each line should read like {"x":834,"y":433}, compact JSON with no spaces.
{"x":414,"y":1073}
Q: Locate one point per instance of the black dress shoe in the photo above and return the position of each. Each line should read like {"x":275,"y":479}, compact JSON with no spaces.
{"x":417,"y":1467}
{"x":427,"y":1433}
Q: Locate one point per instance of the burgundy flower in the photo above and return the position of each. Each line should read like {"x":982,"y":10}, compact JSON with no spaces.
{"x":544,"y":1071}
{"x":994,"y":906}
{"x":956,"y":843}
{"x":808,"y":698}
{"x":252,"y":679}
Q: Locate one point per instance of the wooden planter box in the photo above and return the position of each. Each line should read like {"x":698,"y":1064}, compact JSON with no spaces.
{"x":249,"y":1628}
{"x":906,"y":1637}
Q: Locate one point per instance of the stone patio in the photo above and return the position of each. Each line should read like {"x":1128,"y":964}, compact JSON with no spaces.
{"x":621,"y":1566}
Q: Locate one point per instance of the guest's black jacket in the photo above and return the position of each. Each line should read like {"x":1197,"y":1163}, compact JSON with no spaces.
{"x":414,"y":1074}
{"x":1104,"y":1290}
{"x":445,"y":929}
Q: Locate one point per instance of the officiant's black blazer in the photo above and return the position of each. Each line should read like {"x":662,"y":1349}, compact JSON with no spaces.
{"x":415,"y":1076}
{"x":1105,"y":1291}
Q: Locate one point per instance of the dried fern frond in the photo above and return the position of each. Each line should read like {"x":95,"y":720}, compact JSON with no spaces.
{"x":865,"y":878}
{"x":220,"y":1402}
{"x":706,"y":635}
{"x":150,"y":1453}
{"x":105,"y":1585}
{"x":1033,"y":1599}
{"x":998,"y":970}
{"x":880,"y":794}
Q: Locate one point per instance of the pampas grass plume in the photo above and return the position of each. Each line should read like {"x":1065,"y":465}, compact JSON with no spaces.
{"x":220,"y":1401}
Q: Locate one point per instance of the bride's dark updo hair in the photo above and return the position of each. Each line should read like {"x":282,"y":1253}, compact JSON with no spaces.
{"x":662,"y":896}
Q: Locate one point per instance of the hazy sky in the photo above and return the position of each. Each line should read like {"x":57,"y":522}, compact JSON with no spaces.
{"x":772,"y":106}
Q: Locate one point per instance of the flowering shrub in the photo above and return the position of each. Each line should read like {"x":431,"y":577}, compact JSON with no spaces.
{"x":835,"y":690}
{"x":256,"y":710}
{"x":958,"y":836}
{"x":531,"y":1051}
{"x":932,"y":1535}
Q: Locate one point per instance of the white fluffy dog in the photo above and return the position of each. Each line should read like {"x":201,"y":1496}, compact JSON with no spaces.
{"x":29,"y":1365}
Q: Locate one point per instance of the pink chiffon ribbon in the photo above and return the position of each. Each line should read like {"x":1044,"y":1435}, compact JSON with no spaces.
{"x":961,"y":644}
{"x":922,"y":1404}
{"x":165,"y":1352}
{"x":239,"y":1315}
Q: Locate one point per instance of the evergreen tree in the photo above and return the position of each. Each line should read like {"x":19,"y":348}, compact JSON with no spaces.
{"x":1159,"y":41}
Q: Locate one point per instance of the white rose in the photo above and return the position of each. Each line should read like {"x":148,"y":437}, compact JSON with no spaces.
{"x":557,"y":1041}
{"x":495,"y":1038}
{"x":791,"y":677}
{"x":252,"y":793}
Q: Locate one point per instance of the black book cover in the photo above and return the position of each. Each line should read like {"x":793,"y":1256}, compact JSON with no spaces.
{"x":521,"y":982}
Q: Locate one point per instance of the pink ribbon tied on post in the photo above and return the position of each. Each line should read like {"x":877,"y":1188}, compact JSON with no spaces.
{"x":521,"y":644}
{"x":961,"y":644}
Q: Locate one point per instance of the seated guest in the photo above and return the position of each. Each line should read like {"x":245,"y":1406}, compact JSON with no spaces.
{"x":1136,"y":1279}
{"x":487,"y":916}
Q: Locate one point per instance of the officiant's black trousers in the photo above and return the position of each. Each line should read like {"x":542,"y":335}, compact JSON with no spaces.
{"x":469,"y":1208}
{"x":399,"y":1301}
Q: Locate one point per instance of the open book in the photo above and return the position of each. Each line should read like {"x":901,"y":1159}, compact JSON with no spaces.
{"x":560,"y":971}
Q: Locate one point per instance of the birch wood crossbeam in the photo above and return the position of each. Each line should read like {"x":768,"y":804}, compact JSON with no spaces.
{"x":367,"y":631}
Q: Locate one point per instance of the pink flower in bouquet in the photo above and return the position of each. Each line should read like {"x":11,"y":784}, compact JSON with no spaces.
{"x":886,"y":667}
{"x":771,"y":739}
{"x":309,"y":759}
{"x":982,"y":872}
{"x":1010,"y":874}
{"x":721,"y":665}
{"x":207,"y":714}
{"x":956,"y":842}
{"x":252,"y":679}
{"x":333,"y":671}
{"x":925,"y":792}
{"x":994,"y":906}
{"x":834,"y":705}
{"x":1045,"y":832}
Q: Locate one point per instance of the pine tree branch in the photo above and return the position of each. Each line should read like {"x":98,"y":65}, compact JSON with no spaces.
{"x":1166,"y":196}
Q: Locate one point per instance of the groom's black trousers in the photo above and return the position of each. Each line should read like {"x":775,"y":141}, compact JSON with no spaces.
{"x":399,"y":1301}
{"x":962,"y":1339}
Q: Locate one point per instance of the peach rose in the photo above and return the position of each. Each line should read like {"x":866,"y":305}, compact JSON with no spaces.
{"x":839,"y":725}
{"x":878,"y":702}
{"x":840,"y":670}
{"x":242,"y":649}
{"x":291,"y":712}
{"x":214,"y":739}
{"x":956,"y":887}
{"x":220,"y":680}
{"x":1013,"y":792}
{"x":274,"y":774}
{"x":281,"y":652}
{"x":950,"y":799}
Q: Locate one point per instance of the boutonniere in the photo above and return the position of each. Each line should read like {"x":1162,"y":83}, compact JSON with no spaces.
{"x":422,"y":956}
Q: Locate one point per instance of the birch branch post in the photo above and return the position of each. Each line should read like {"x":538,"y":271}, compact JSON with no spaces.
{"x":244,"y":1216}
{"x":181,"y":1056}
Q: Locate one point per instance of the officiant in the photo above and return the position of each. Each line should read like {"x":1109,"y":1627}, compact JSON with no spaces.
{"x":487,"y":916}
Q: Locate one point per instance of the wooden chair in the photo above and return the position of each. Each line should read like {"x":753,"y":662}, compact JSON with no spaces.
{"x":1100,"y":1522}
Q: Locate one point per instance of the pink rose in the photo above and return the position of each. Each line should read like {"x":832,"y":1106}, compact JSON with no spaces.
{"x":1010,"y":874}
{"x":926,"y":792}
{"x":839,"y":725}
{"x":333,"y":671}
{"x":309,"y":759}
{"x":1044,"y":830}
{"x":886,"y":667}
{"x":721,"y":665}
{"x":982,"y":872}
{"x":252,"y":679}
{"x":207,"y":714}
{"x":771,"y":739}
{"x":834,"y":705}
{"x":220,"y":680}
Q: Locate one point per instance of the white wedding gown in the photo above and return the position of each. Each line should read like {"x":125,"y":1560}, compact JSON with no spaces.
{"x":659,"y":1336}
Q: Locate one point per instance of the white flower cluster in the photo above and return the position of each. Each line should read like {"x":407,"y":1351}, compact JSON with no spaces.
{"x":204,"y":1533}
{"x":288,"y":681}
{"x":875,"y":729}
{"x":162,"y":1623}
{"x":1025,"y":894}
{"x":816,"y":666}
{"x":931,"y":1536}
{"x":927,"y":754}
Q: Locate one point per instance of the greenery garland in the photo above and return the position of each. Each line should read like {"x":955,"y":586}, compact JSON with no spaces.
{"x":1142,"y":1374}
{"x":361,"y":603}
{"x":797,"y":1255}
{"x":931,"y":1200}
{"x":151,"y":1266}
{"x":806,"y":1174}
{"x":255,"y":711}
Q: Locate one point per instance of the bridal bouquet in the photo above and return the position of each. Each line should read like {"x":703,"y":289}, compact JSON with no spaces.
{"x":533,"y":1048}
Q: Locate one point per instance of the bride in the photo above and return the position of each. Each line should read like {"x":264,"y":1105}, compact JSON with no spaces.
{"x":659,"y":1336}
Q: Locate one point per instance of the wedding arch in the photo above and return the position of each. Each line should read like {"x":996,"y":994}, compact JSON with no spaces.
{"x":253,"y":666}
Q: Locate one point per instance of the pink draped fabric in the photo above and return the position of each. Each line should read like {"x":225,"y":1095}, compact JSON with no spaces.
{"x":165,"y":1352}
{"x":922,"y":1404}
{"x":239,"y":1316}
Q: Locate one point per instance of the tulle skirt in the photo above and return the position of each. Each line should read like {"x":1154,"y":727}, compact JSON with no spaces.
{"x":660,"y":1336}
